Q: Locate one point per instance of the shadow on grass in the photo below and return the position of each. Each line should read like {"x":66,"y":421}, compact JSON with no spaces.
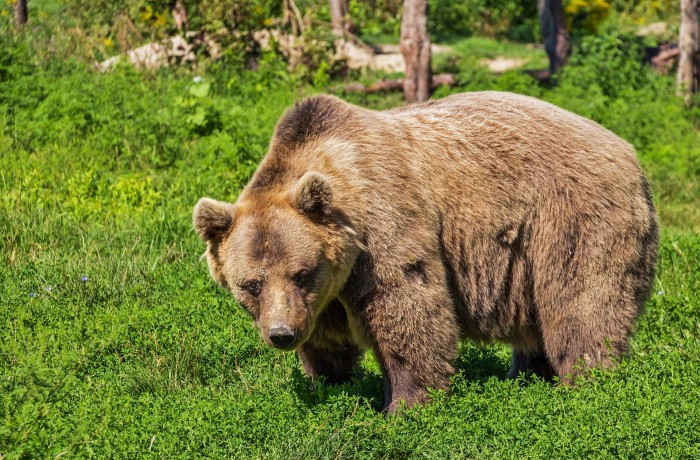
{"x":480,"y":363}
{"x":475,"y":364}
{"x":367,"y":385}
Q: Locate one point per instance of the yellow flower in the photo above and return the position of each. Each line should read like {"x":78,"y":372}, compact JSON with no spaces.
{"x":161,"y":20}
{"x":268,"y":22}
{"x":108,"y":42}
{"x":147,"y":13}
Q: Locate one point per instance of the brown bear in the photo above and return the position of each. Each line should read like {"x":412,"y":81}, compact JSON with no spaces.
{"x":488,"y":216}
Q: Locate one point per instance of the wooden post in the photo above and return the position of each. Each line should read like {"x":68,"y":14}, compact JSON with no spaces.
{"x":292,"y":17}
{"x":557,"y":43}
{"x":688,"y":76}
{"x":415,"y":47}
{"x":339,"y":11}
{"x":179,"y":12}
{"x":20,"y":13}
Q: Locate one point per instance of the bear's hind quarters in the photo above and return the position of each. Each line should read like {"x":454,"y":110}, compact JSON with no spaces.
{"x":562,"y":365}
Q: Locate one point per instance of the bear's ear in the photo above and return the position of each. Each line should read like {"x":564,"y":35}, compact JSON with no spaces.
{"x":212,"y":218}
{"x":312,"y":194}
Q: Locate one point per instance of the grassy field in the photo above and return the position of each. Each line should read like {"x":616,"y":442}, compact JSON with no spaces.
{"x":115,"y":343}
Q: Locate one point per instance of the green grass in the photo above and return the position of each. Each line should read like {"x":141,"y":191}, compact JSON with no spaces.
{"x":487,"y":48}
{"x":381,"y":39}
{"x":148,"y":358}
{"x":474,"y":50}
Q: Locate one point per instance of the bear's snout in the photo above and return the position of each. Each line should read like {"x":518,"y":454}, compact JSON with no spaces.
{"x":282,"y":336}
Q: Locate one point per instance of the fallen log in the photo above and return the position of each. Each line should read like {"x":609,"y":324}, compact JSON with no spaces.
{"x":665,"y":60}
{"x":443,"y":79}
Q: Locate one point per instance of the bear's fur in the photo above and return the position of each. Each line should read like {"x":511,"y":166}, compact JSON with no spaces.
{"x":488,"y":216}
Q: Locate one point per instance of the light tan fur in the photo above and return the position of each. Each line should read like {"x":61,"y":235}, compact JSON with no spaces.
{"x":488,"y":216}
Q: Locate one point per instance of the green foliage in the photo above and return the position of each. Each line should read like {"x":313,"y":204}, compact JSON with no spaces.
{"x":634,"y":13}
{"x":491,"y":18}
{"x":200,"y":113}
{"x":609,"y":64}
{"x":15,"y":60}
{"x":376,"y":17}
{"x":152,"y":18}
{"x":585,"y":15}
{"x":514,"y":19}
{"x":94,"y":30}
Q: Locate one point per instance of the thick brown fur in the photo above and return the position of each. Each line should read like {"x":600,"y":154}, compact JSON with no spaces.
{"x":488,"y":216}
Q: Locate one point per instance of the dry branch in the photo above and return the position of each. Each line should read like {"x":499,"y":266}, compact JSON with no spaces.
{"x":666,"y":59}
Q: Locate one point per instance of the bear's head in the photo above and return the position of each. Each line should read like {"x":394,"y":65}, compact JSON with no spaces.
{"x":284,"y":255}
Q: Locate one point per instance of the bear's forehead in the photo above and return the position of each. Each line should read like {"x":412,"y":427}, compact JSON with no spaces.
{"x":266,"y":242}
{"x":270,"y":238}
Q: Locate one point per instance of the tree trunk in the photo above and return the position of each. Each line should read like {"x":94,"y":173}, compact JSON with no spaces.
{"x":20,"y":13}
{"x":415,"y":47}
{"x":339,"y":12}
{"x":557,"y":43}
{"x":688,"y":77}
{"x":292,"y":17}
{"x":179,"y":12}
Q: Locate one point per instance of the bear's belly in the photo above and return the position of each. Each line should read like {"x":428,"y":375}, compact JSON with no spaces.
{"x":491,"y":282}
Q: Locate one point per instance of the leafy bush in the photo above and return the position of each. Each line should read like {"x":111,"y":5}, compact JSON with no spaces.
{"x":491,"y":18}
{"x":586,"y":15}
{"x":376,"y":17}
{"x":639,"y":12}
{"x":609,"y":64}
{"x":514,"y":19}
{"x":129,"y":20}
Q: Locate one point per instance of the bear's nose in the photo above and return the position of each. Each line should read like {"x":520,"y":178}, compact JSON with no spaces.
{"x":282,"y":336}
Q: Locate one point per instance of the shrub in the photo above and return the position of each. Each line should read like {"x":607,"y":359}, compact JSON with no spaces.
{"x":609,"y":64}
{"x":586,"y":16}
{"x":491,"y":18}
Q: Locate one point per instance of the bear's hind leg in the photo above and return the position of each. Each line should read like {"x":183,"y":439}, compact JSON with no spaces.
{"x":574,"y":345}
{"x":587,"y":322}
{"x":589,"y":284}
{"x":531,"y":363}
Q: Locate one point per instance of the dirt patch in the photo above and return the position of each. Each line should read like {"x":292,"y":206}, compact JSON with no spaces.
{"x":387,"y":58}
{"x":501,"y":64}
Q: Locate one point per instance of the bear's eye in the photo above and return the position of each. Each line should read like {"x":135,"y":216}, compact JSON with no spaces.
{"x":301,"y":277}
{"x":253,"y":287}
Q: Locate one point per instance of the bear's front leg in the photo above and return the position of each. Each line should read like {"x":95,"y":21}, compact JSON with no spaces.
{"x":330,"y":352}
{"x":414,"y":363}
{"x":411,"y":323}
{"x":334,"y":364}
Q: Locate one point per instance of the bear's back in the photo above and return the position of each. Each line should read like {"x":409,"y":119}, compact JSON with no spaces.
{"x":504,"y":149}
{"x":500,"y":123}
